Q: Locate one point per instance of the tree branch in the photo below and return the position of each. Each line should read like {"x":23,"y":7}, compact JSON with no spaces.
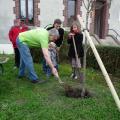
{"x":84,"y":5}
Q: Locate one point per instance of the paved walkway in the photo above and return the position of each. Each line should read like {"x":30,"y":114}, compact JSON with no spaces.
{"x":6,"y":48}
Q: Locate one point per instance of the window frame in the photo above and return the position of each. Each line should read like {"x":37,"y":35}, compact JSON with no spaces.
{"x":75,"y":11}
{"x":74,"y":17}
{"x":26,"y":10}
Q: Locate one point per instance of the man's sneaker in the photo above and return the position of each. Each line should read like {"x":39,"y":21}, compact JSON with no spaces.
{"x":20,"y":77}
{"x":38,"y":81}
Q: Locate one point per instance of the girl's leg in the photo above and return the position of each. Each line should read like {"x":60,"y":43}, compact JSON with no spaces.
{"x":73,"y":72}
{"x":77,"y":66}
{"x":73,"y":67}
{"x":44,"y":67}
{"x":48,"y":73}
{"x":79,"y":73}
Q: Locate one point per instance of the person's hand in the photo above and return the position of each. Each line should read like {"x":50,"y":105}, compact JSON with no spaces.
{"x":58,"y":49}
{"x":70,"y":35}
{"x":55,"y":73}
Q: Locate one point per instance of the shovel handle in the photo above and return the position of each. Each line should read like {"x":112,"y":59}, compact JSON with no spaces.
{"x":59,"y":80}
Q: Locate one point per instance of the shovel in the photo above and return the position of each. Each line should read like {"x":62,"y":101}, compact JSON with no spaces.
{"x":76,"y":56}
{"x":59,"y":79}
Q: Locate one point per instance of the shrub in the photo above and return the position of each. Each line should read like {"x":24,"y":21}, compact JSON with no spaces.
{"x":63,"y":54}
{"x":110,"y":57}
{"x":36,"y":54}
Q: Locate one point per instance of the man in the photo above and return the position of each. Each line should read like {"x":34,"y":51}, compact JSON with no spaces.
{"x":35,"y":38}
{"x":13,"y":34}
{"x":57,"y":25}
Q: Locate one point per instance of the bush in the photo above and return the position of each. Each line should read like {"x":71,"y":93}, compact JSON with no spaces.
{"x":63,"y":54}
{"x":110,"y":57}
{"x":37,"y":54}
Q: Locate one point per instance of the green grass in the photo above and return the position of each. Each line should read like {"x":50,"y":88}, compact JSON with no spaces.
{"x":22,"y":100}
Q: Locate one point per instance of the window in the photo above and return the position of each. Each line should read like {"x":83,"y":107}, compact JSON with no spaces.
{"x":71,"y":10}
{"x":26,"y":11}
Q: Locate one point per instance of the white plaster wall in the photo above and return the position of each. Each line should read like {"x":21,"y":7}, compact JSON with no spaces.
{"x":6,"y":19}
{"x":50,"y":10}
{"x":114,"y":20}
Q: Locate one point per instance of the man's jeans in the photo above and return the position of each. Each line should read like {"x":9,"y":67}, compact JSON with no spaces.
{"x":26,"y":61}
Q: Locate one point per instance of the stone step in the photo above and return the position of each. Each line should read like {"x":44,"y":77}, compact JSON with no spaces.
{"x":108,"y":41}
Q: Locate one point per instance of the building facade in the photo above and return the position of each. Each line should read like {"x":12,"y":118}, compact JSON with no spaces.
{"x":40,"y":13}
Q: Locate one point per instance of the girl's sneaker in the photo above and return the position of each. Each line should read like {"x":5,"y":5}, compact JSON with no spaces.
{"x":72,"y":75}
{"x":75,"y":77}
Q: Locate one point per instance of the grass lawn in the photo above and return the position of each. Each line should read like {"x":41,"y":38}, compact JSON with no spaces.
{"x":22,"y":100}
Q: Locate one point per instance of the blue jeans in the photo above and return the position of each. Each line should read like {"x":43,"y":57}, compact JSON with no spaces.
{"x":49,"y":71}
{"x":26,"y":61}
{"x":44,"y":67}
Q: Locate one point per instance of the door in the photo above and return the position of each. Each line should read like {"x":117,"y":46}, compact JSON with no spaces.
{"x":99,"y":20}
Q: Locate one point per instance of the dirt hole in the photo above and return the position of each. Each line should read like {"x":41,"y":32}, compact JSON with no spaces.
{"x":76,"y":92}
